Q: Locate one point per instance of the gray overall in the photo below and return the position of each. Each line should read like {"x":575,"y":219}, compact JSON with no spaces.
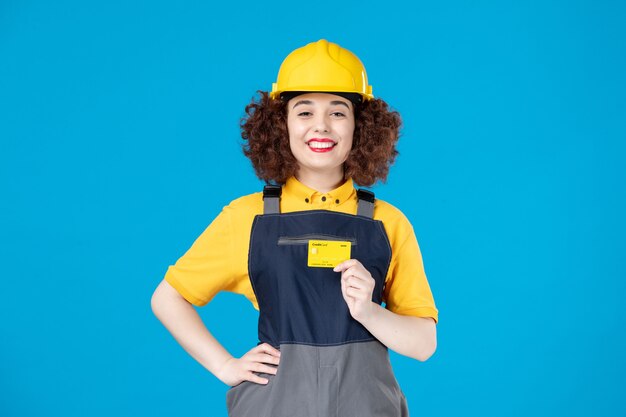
{"x":330,"y":365}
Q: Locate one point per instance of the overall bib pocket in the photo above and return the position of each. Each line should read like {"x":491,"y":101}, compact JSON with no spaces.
{"x":304,"y":239}
{"x":321,"y":250}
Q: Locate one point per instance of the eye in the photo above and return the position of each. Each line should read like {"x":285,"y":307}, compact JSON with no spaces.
{"x":338,"y":114}
{"x":305,"y":114}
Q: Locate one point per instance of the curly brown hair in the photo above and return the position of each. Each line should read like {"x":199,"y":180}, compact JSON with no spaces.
{"x":266,"y":141}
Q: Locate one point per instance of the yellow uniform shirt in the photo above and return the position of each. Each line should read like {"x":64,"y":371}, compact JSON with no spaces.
{"x":218,"y":259}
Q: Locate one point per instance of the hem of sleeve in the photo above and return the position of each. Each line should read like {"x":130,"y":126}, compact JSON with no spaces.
{"x":184,"y":292}
{"x":420,"y":312}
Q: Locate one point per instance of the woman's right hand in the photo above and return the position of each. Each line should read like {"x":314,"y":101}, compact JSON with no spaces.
{"x":236,"y":370}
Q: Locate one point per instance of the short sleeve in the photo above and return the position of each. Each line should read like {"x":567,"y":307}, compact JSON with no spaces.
{"x":407,"y":291}
{"x":207,"y":267}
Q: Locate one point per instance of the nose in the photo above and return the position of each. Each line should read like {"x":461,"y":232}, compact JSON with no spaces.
{"x":321,"y":124}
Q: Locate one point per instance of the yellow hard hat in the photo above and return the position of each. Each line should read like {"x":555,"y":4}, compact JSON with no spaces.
{"x":322,"y":66}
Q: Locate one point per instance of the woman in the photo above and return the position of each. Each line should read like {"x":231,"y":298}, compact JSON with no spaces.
{"x":314,"y":255}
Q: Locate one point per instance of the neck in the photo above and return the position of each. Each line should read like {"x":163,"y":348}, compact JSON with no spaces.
{"x":322,"y":182}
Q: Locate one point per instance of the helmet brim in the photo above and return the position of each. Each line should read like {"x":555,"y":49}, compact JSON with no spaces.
{"x":355,"y":98}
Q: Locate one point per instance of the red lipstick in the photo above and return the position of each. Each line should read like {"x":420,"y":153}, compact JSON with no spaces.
{"x":321,"y":144}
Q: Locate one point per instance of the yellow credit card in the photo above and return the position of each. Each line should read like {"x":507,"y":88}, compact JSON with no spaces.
{"x":328,"y":253}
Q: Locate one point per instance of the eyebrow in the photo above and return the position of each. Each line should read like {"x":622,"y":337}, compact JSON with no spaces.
{"x":333,"y":103}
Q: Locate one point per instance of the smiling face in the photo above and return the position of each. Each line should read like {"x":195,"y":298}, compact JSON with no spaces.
{"x":321,"y":129}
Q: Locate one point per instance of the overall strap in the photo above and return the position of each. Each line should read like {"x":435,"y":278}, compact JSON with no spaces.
{"x":366,"y":203}
{"x":271,"y":201}
{"x":271,"y":198}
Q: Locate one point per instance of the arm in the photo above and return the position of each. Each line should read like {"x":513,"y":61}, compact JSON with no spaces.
{"x":415,"y":337}
{"x":184,"y":323}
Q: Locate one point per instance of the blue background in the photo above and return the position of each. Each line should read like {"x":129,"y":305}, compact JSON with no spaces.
{"x":119,"y":143}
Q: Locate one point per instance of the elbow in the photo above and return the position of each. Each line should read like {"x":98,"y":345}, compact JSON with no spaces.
{"x":428,"y":343}
{"x":427,"y":351}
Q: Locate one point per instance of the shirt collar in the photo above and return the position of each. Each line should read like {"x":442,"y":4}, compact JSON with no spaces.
{"x":295,"y":188}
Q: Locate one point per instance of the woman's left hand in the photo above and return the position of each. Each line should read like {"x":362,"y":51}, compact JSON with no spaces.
{"x":357,"y":287}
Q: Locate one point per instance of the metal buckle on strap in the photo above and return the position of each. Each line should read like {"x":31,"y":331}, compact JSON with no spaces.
{"x":272,"y":191}
{"x":366,"y":203}
{"x":271,"y":198}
